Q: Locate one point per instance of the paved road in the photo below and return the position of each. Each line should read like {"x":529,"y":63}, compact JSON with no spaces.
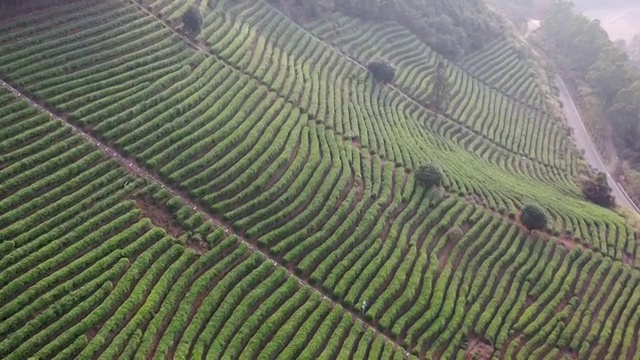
{"x":584,"y":142}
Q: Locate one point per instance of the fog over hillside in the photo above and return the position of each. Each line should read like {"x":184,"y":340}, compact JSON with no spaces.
{"x":621,"y":19}
{"x":586,"y":4}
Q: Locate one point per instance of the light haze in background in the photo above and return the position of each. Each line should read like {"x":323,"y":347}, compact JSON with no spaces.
{"x":621,"y":19}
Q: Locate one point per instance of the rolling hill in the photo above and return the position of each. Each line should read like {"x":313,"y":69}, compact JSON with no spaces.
{"x":250,"y":193}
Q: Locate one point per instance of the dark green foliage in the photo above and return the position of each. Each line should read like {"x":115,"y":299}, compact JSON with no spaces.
{"x":576,"y":39}
{"x":533,"y":217}
{"x":382,"y":70}
{"x":624,"y":115}
{"x":450,"y":27}
{"x":597,"y":190}
{"x":455,"y":234}
{"x":582,"y":47}
{"x":192,"y":21}
{"x":441,"y":94}
{"x":429,"y":175}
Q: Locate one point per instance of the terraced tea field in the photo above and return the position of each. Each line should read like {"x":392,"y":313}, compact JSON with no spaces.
{"x":244,"y":193}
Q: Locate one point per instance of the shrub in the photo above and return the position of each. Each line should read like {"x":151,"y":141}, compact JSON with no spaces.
{"x":429,"y":175}
{"x":533,"y":217}
{"x":455,"y":234}
{"x":382,"y":70}
{"x":440,"y":97}
{"x":192,"y":21}
{"x":597,"y":190}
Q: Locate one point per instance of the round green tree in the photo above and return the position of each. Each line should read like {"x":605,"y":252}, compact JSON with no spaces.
{"x":533,"y":217}
{"x":382,"y":70}
{"x":429,"y":175}
{"x":455,"y":234}
{"x":192,"y":21}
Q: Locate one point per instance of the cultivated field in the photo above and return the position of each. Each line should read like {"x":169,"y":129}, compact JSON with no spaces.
{"x":243,"y":194}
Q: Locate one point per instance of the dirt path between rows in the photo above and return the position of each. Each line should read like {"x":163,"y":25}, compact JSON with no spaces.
{"x":130,"y":166}
{"x":203,"y":48}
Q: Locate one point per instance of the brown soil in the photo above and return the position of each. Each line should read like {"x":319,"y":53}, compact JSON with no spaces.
{"x":446,"y":251}
{"x":345,"y":193}
{"x":634,"y":345}
{"x":513,"y":337}
{"x":174,"y":308}
{"x":568,"y":354}
{"x":91,"y":333}
{"x":196,"y":305}
{"x":567,"y":242}
{"x":198,"y":246}
{"x":609,"y":290}
{"x":160,"y":215}
{"x":478,"y":349}
{"x":157,"y":213}
{"x":136,"y":306}
{"x":86,"y":250}
{"x":283,"y":169}
{"x":563,"y":303}
{"x":529,"y":301}
{"x":412,"y":230}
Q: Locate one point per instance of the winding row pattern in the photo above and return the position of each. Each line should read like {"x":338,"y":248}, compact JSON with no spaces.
{"x":287,"y":140}
{"x":475,"y":102}
{"x":501,"y":65}
{"x":85,"y":271}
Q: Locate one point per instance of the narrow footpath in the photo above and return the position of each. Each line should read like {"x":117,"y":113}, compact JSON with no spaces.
{"x":130,"y":166}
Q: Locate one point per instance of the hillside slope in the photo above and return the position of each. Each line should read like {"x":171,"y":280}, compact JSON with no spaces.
{"x":245,"y":193}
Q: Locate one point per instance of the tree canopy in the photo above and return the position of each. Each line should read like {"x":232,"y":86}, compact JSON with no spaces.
{"x":441,"y":94}
{"x":597,"y":190}
{"x":533,"y":217}
{"x":429,"y":175}
{"x":582,"y":47}
{"x":382,"y":70}
{"x":192,"y":21}
{"x":451,"y":27}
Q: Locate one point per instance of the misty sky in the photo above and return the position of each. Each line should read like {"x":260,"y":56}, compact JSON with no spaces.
{"x":620,"y":18}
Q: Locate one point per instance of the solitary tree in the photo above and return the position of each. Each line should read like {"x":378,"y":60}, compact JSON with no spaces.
{"x":533,"y":217}
{"x":429,"y":175}
{"x":455,"y":234}
{"x":382,"y":70}
{"x":192,"y":21}
{"x":441,"y":94}
{"x":597,"y":190}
